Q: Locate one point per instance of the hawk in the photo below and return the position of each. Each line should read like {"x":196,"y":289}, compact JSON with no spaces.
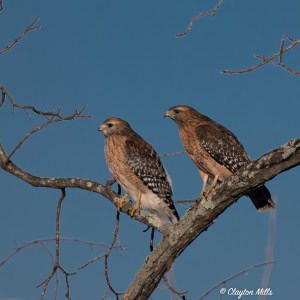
{"x":138,"y":169}
{"x":215,"y":150}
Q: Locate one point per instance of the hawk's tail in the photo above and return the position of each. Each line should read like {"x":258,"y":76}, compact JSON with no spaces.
{"x":262,"y":199}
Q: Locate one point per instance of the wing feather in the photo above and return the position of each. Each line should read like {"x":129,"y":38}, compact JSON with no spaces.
{"x":146,"y":165}
{"x":222,"y":145}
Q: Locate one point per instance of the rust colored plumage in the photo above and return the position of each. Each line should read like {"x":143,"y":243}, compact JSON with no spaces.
{"x":137,"y":168}
{"x":215,"y":150}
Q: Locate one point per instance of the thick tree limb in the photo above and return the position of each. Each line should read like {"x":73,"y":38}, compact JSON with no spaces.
{"x":85,"y":184}
{"x":203,"y":215}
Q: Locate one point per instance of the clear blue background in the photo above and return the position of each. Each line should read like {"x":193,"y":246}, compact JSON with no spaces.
{"x":121,"y":58}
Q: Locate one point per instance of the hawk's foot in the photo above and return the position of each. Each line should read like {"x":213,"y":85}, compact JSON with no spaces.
{"x":205,"y":192}
{"x":137,"y":207}
{"x":121,"y":201}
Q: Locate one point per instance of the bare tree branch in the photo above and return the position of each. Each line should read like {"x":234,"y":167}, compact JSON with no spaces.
{"x":202,"y":215}
{"x":35,"y":129}
{"x":57,"y":265}
{"x":43,"y":242}
{"x":48,"y":115}
{"x":51,"y":117}
{"x":106,"y":256}
{"x":1,"y":5}
{"x":85,"y":184}
{"x":172,"y":153}
{"x":270,"y":59}
{"x":173,"y":289}
{"x":200,"y":15}
{"x":31,"y":27}
{"x":165,"y":278}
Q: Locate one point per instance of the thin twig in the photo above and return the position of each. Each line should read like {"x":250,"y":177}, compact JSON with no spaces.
{"x":285,"y":67}
{"x":271,"y":59}
{"x":186,"y":201}
{"x":173,"y":289}
{"x":106,"y":256}
{"x":46,"y":114}
{"x":172,"y":153}
{"x":181,"y":203}
{"x":200,"y":15}
{"x":46,"y":240}
{"x":91,"y":261}
{"x":281,"y":50}
{"x":38,"y":128}
{"x":31,"y":27}
{"x":2,"y":98}
{"x":244,"y":271}
{"x":56,"y":286}
{"x":51,"y":117}
{"x":166,"y":281}
{"x":57,"y":265}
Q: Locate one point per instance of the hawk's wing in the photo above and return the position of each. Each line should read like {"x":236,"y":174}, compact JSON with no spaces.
{"x":222,"y":145}
{"x":146,"y":165}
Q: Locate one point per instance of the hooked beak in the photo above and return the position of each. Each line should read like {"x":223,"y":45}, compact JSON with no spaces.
{"x":101,"y":127}
{"x":169,"y":113}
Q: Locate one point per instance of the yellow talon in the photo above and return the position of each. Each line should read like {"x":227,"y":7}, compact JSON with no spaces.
{"x":205,"y":192}
{"x":134,"y":208}
{"x":121,"y":201}
{"x":137,"y":207}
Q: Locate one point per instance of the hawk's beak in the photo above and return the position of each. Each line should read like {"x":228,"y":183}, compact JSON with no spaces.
{"x":101,"y":127}
{"x":169,"y":114}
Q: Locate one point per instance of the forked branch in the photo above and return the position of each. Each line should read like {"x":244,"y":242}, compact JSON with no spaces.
{"x":31,"y":27}
{"x":57,"y":265}
{"x":200,"y":15}
{"x":275,"y":59}
{"x":49,"y":117}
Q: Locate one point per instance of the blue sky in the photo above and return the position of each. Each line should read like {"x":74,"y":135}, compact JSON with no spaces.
{"x":121,"y":58}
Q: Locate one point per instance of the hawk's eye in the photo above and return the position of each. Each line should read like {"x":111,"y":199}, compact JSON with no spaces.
{"x":176,"y":111}
{"x":110,"y":125}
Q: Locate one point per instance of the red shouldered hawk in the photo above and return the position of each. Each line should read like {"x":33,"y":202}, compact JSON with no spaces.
{"x":137,"y":168}
{"x":215,"y":150}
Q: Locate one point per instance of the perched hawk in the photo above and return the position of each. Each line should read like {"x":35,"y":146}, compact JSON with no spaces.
{"x":137,"y":168}
{"x":215,"y":150}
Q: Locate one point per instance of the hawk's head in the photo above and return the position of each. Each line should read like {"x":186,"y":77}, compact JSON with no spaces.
{"x":114,"y":126}
{"x":182,"y":114}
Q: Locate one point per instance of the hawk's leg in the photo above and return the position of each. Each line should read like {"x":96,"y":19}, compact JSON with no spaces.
{"x":205,"y":179}
{"x":213,"y":184}
{"x":121,"y":201}
{"x":137,"y":207}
